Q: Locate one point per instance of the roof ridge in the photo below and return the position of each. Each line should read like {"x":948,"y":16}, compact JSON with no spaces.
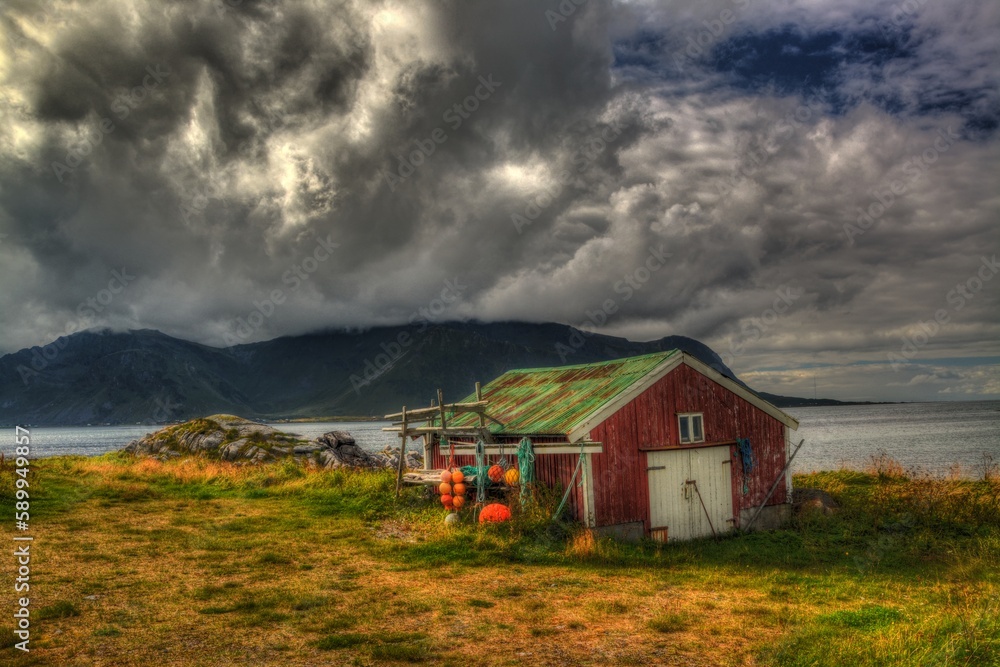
{"x":609,"y":362}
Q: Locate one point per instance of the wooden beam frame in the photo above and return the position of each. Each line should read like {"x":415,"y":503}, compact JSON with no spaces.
{"x":402,"y":455}
{"x":420,"y":430}
{"x":422,"y":413}
{"x":466,"y":449}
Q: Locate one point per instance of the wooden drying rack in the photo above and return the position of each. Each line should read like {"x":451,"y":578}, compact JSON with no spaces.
{"x":402,"y":425}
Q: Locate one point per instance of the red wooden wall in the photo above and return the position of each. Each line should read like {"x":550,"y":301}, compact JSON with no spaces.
{"x":621,"y":491}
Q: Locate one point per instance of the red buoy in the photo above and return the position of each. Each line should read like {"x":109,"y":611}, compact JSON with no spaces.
{"x":494,"y":513}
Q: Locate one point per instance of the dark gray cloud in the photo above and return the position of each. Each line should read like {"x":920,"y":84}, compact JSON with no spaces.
{"x":219,"y":151}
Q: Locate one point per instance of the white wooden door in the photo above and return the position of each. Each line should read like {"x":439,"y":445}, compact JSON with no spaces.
{"x":690,"y":492}
{"x":711,"y":468}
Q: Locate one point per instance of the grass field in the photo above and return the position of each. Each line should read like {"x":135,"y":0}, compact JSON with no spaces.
{"x":137,"y":562}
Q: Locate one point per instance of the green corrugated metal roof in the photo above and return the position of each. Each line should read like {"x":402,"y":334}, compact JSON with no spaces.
{"x":554,"y":400}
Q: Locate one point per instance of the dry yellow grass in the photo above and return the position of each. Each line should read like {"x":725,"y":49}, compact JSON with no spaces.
{"x":199,"y":563}
{"x":144,"y":572}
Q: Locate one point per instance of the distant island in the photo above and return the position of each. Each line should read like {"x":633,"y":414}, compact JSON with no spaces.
{"x":147,"y":377}
{"x":795,"y":402}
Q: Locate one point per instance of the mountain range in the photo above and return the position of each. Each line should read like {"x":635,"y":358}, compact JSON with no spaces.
{"x":144,"y":376}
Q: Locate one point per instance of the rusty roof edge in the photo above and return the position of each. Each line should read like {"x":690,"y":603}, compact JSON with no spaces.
{"x":610,"y":362}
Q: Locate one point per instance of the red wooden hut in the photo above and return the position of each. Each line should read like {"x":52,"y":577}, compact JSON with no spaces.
{"x":671,"y":449}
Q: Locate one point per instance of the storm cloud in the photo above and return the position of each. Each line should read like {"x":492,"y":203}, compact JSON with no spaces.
{"x":820,"y":179}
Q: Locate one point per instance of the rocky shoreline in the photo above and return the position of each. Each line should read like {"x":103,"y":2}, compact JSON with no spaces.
{"x":238,"y":440}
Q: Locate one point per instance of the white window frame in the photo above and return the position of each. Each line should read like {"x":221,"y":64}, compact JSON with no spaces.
{"x":690,"y":418}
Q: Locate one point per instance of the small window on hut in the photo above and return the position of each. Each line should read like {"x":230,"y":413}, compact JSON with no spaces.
{"x":690,"y":428}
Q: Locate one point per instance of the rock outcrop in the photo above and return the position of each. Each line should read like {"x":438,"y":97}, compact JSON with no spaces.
{"x":389,"y":458}
{"x":231,"y":438}
{"x":224,"y":437}
{"x":814,"y":500}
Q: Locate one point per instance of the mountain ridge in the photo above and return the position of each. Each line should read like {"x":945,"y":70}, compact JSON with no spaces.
{"x":146,"y":376}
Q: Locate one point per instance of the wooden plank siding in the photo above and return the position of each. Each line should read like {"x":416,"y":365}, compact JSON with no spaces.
{"x":621,"y":493}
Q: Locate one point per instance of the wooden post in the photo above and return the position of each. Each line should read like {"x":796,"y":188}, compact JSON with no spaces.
{"x":441,"y":406}
{"x":402,"y":454}
{"x":483,"y":433}
{"x":444,"y":424}
{"x":774,"y":486}
{"x":429,"y":443}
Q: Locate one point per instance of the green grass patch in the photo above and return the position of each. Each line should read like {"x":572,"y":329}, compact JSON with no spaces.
{"x":401,"y":637}
{"x":7,"y":638}
{"x":542,"y":632}
{"x":271,"y":558}
{"x":61,"y":609}
{"x":668,"y":623}
{"x":308,"y":602}
{"x":866,"y":618}
{"x":418,"y":652}
{"x":265,"y":619}
{"x":243,"y":606}
{"x":339,"y":622}
{"x":481,"y":604}
{"x":610,"y":607}
{"x":211,"y":591}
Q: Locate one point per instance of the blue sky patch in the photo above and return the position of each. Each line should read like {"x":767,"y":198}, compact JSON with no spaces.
{"x":879,"y":63}
{"x":785,"y":61}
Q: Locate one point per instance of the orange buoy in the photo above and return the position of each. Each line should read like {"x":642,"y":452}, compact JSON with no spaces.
{"x":444,"y":489}
{"x":447,"y":501}
{"x":445,"y":477}
{"x":459,"y":489}
{"x":495,"y":473}
{"x":512,"y":477}
{"x":494,"y":513}
{"x":458,"y":501}
{"x":457,"y":477}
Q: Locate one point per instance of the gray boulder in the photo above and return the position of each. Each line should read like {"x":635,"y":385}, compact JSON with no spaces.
{"x":806,"y":500}
{"x":338,"y":449}
{"x":231,"y":451}
{"x":389,"y":458}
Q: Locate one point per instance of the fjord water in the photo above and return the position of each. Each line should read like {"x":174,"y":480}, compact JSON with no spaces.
{"x":930,"y":436}
{"x":933,"y":437}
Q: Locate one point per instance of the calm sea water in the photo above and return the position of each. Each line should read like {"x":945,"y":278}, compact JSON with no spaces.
{"x":931,"y":436}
